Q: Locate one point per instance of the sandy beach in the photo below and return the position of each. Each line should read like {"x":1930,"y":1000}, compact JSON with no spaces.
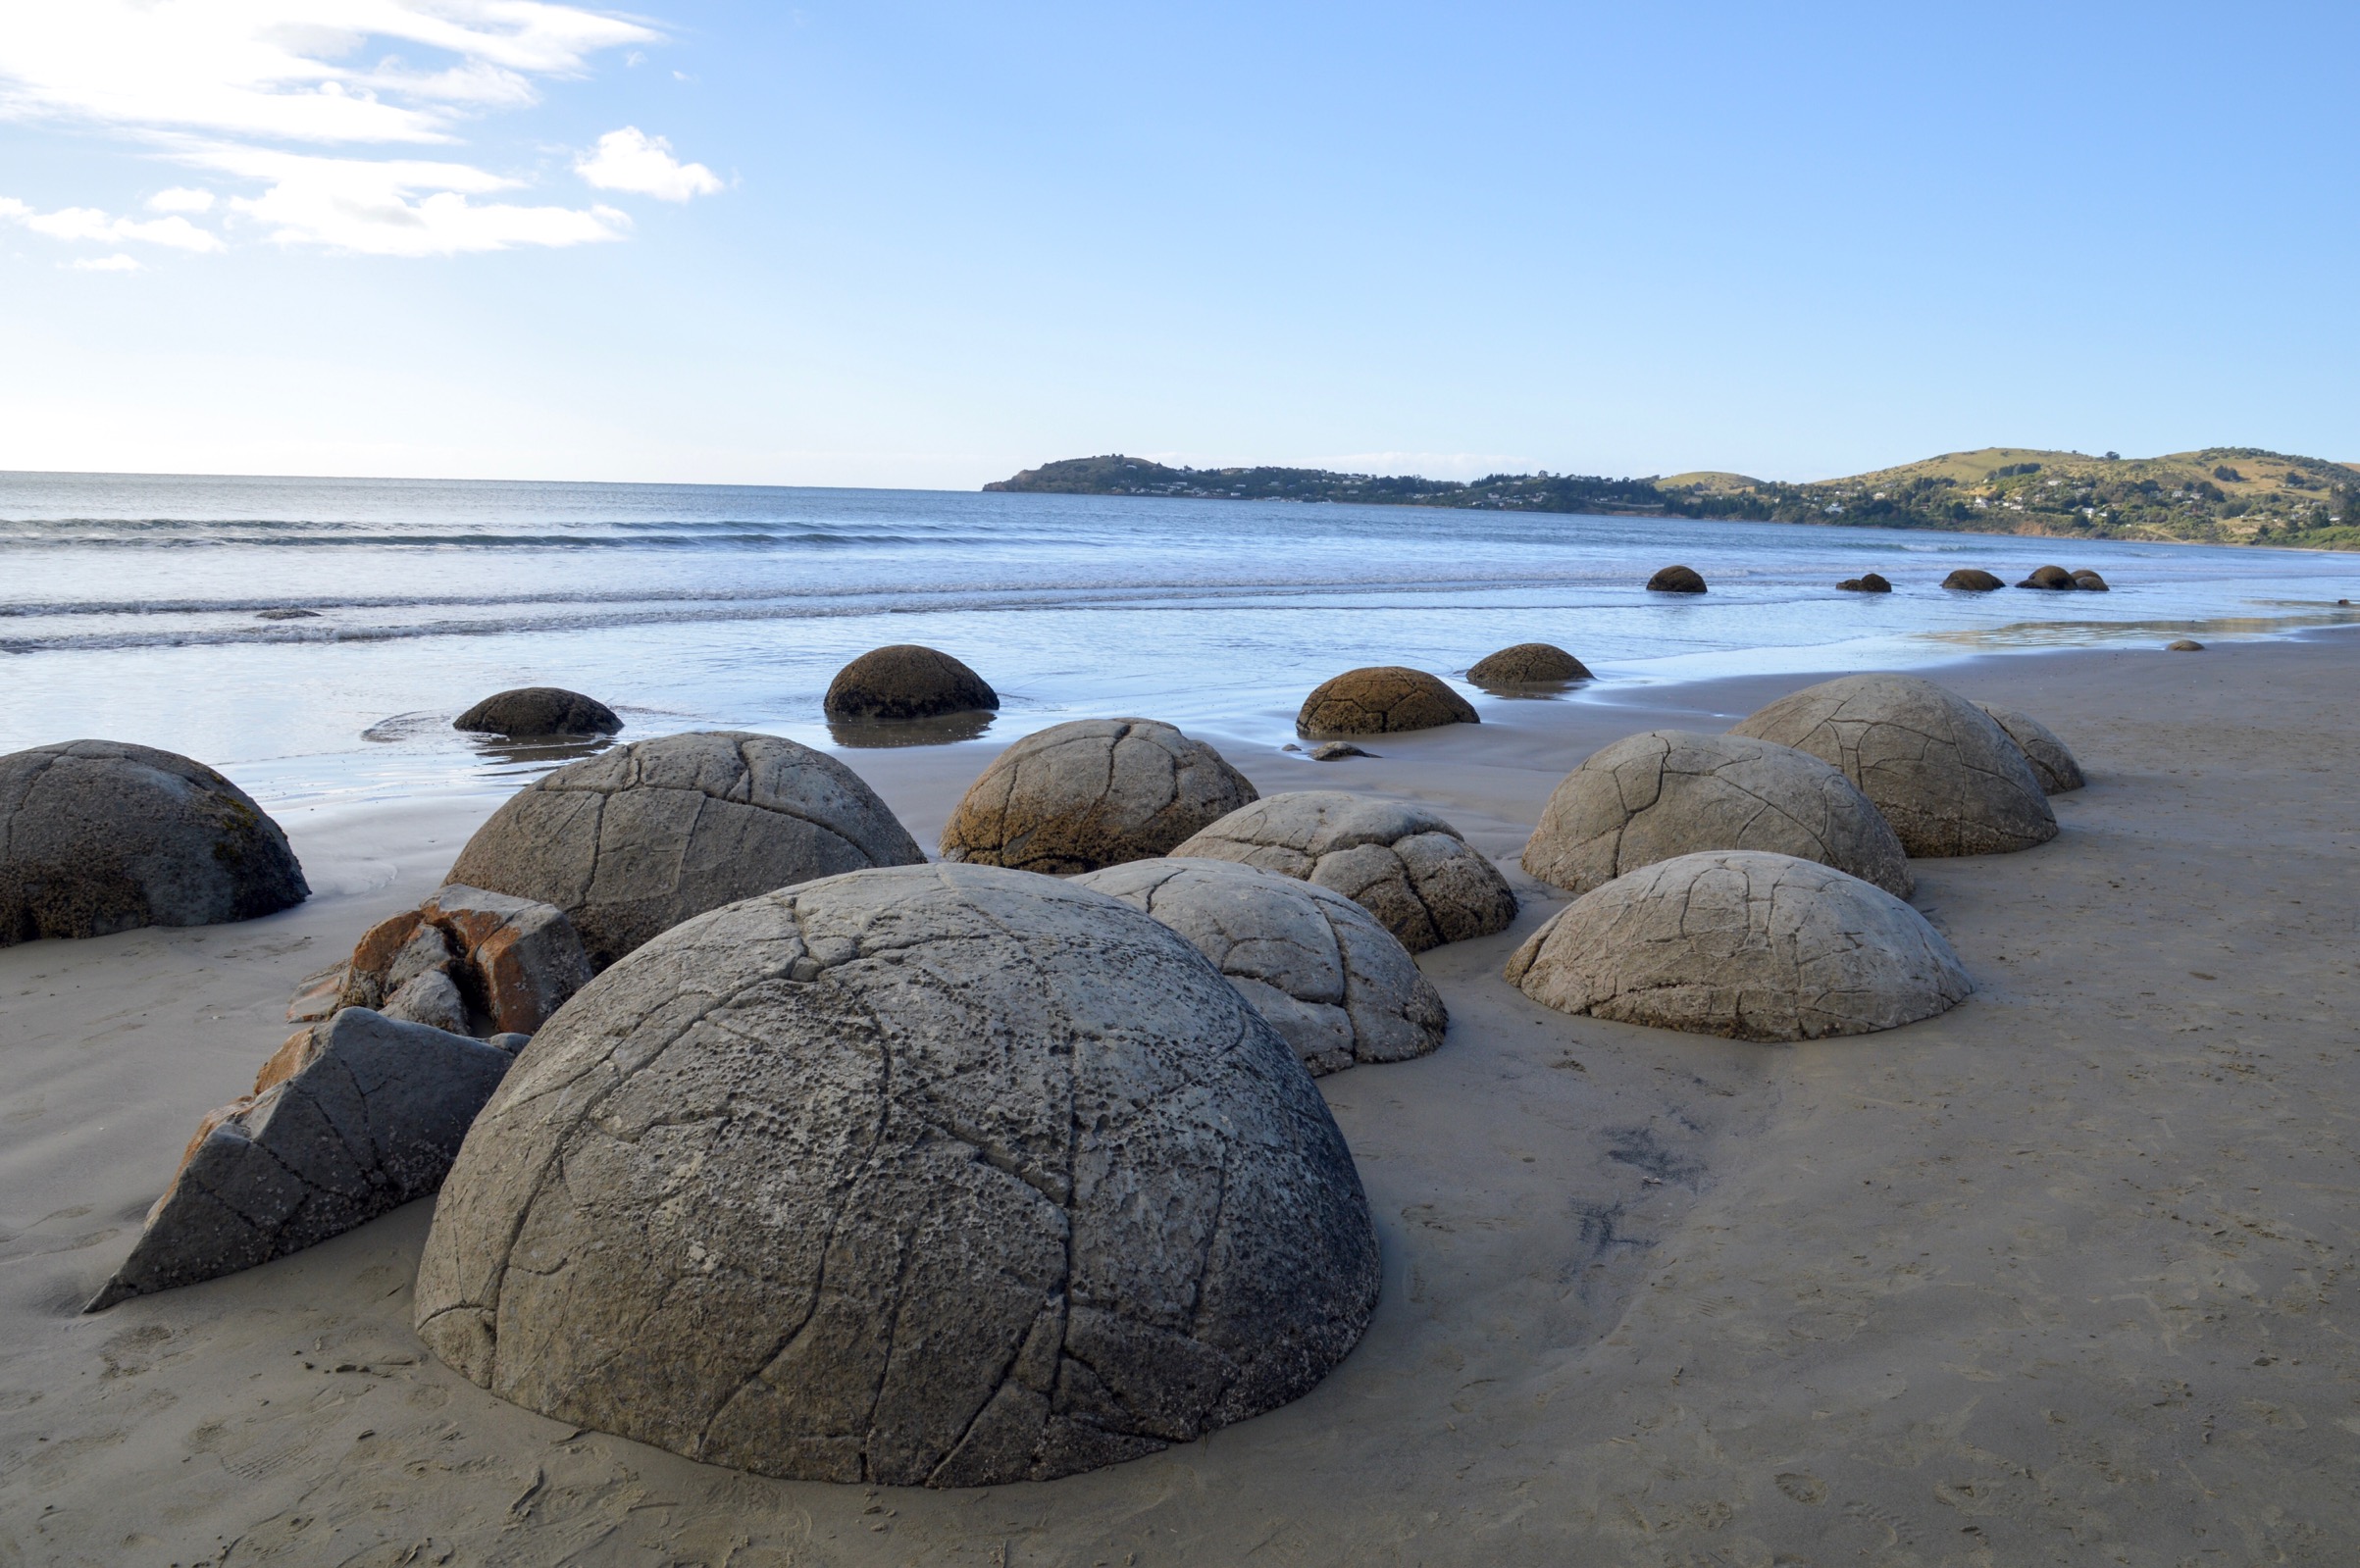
{"x":2052,"y":1277}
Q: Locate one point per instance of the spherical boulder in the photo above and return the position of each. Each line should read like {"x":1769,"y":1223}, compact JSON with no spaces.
{"x":1381,"y":699}
{"x":1870,"y":583}
{"x":1942,"y":772}
{"x":529,"y":711}
{"x":2051,"y":577}
{"x":1677,"y":579}
{"x":1972,"y":580}
{"x":638,"y":838}
{"x":1335,"y":984}
{"x":2090,"y":580}
{"x":1743,"y":944}
{"x":1092,"y":792}
{"x":942,"y":1175}
{"x":2184,"y":645}
{"x":906,"y":681}
{"x":2052,"y":763}
{"x":1671,"y":792}
{"x":1402,"y":863}
{"x":1528,"y":663}
{"x":98,"y":837}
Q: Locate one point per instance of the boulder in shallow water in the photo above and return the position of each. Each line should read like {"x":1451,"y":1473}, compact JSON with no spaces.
{"x":1528,"y":663}
{"x":98,"y":837}
{"x":944,"y":1175}
{"x":2052,"y":763}
{"x":1941,"y":770}
{"x":1381,"y":699}
{"x":1870,"y":583}
{"x":2089,"y":581}
{"x":1972,"y":580}
{"x":353,"y":1118}
{"x":2051,"y":577}
{"x":1742,"y":945}
{"x":1402,"y":863}
{"x":906,"y":681}
{"x":535,"y":711}
{"x":1677,"y":579}
{"x":1336,"y":751}
{"x":1092,"y":792}
{"x":1671,"y":792}
{"x":1335,"y":984}
{"x":638,"y":838}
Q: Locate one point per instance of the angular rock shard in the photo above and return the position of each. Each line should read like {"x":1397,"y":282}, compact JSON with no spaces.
{"x":1088,"y":793}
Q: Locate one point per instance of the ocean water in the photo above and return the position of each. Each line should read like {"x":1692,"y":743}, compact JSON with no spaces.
{"x":131,"y":607}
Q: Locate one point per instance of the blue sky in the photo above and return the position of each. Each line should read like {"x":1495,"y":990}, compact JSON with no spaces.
{"x":926,"y":245}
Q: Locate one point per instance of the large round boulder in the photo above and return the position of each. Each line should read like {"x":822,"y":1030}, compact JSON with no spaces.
{"x":1335,"y":984}
{"x":948,"y":1175}
{"x":906,"y":681}
{"x":2053,"y":763}
{"x":1671,"y":792}
{"x":1743,"y":944}
{"x":1381,"y":699}
{"x":98,"y":837}
{"x":2090,"y":582}
{"x":1944,"y":774}
{"x":1528,"y":663}
{"x":637,"y":839}
{"x":1092,"y":792}
{"x":2051,"y":577}
{"x":1402,"y":863}
{"x":535,"y":711}
{"x":1677,"y":579}
{"x":1972,"y":580}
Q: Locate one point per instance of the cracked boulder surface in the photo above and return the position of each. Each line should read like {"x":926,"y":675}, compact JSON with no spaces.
{"x":1381,"y":699}
{"x":1335,"y":984}
{"x":2053,"y":763}
{"x":1941,"y":770}
{"x":944,"y":1175}
{"x":1088,"y":793}
{"x":353,"y":1119}
{"x":98,"y":837}
{"x":1402,"y":863}
{"x":1972,"y":580}
{"x":466,"y":960}
{"x":1743,"y":944}
{"x":635,"y":840}
{"x":1528,"y":663}
{"x":535,"y":711}
{"x":1671,"y":792}
{"x":906,"y":681}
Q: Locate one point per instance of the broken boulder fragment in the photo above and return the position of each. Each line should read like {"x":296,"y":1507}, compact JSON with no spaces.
{"x":466,"y":960}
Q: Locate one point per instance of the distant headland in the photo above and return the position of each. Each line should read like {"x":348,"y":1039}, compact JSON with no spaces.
{"x":2220,"y":495}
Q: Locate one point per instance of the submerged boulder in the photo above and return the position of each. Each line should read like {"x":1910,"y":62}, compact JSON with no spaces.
{"x":641,"y":837}
{"x":1671,"y":792}
{"x":1088,"y":793}
{"x":1942,"y":772}
{"x":2052,"y":763}
{"x":2051,"y":577}
{"x":535,"y":711}
{"x":353,"y":1119}
{"x":1677,"y":579}
{"x":944,"y":1175}
{"x":906,"y":681}
{"x":2090,"y":580}
{"x":1335,"y":984}
{"x":1402,"y":863}
{"x":1528,"y":663}
{"x":1381,"y":699}
{"x":1870,"y":583}
{"x":1972,"y":580}
{"x":1743,"y":944}
{"x":98,"y":837}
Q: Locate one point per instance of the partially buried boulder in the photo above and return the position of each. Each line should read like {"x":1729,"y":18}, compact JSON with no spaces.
{"x":466,"y":960}
{"x":944,"y":1175}
{"x":1402,"y":863}
{"x":1942,"y":772}
{"x":1872,"y":582}
{"x":1092,"y":792}
{"x":1677,"y":579}
{"x":2051,"y":577}
{"x":1528,"y":663}
{"x":98,"y":837}
{"x":2184,"y":645}
{"x":1335,"y":984}
{"x":1742,"y":945}
{"x":1381,"y":699}
{"x":1972,"y":580}
{"x":2090,"y":580}
{"x":906,"y":681}
{"x":366,"y":1117}
{"x":1671,"y":792}
{"x":641,"y":837}
{"x":530,"y":712}
{"x":2052,"y":763}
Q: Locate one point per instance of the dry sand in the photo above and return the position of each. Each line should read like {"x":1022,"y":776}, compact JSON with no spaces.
{"x":2055,"y":1277}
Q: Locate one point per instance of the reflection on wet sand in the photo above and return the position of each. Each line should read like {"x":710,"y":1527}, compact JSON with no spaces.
{"x":939,"y":731}
{"x":2106,"y":633}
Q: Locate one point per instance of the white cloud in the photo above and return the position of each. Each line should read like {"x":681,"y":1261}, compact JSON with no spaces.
{"x":105,"y":264}
{"x":632,"y":160}
{"x":399,"y":207}
{"x":90,"y":223}
{"x":181,"y":199}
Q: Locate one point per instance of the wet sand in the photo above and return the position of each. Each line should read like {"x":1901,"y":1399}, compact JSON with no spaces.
{"x":2058,"y":1277}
